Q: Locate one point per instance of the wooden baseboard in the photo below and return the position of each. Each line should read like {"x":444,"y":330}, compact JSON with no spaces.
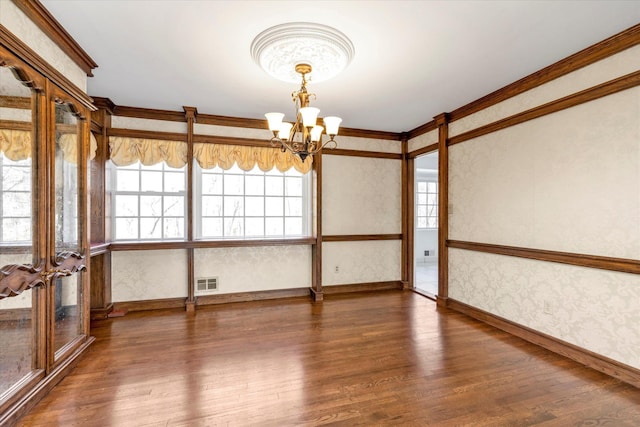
{"x":362,"y":287}
{"x":101,"y":313}
{"x":316,"y":296}
{"x":24,"y":405}
{"x":152,"y":304}
{"x":588,"y":358}
{"x":251,"y":296}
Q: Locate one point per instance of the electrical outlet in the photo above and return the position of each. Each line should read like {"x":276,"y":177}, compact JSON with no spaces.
{"x":547,"y":307}
{"x":337,"y":269}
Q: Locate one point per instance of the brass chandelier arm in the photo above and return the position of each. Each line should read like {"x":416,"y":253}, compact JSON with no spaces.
{"x":306,"y":124}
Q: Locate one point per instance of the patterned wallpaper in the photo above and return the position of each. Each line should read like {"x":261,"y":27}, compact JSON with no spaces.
{"x":594,"y":309}
{"x":148,"y":124}
{"x":607,"y":69}
{"x":569,"y":181}
{"x":368,"y":144}
{"x":361,"y":262}
{"x":423,"y":140}
{"x":361,"y":195}
{"x":256,"y":268}
{"x":143,"y":275}
{"x":20,"y":25}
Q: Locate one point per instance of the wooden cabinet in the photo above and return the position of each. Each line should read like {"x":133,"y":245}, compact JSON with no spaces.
{"x":44,"y":282}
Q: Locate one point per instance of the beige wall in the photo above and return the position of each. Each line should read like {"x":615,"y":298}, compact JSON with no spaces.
{"x":569,"y":182}
{"x":361,"y":195}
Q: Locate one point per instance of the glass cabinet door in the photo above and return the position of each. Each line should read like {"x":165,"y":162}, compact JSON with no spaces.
{"x":20,"y":263}
{"x":67,"y":289}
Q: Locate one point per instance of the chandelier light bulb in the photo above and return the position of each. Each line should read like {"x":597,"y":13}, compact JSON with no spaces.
{"x":316,"y":133}
{"x":285,"y":130}
{"x":309,"y":116}
{"x":333,"y":124}
{"x":275,"y":121}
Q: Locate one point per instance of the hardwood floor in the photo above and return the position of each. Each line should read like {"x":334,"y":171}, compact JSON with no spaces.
{"x":385,"y":358}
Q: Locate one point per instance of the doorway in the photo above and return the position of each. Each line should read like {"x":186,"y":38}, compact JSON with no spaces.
{"x":425,"y":250}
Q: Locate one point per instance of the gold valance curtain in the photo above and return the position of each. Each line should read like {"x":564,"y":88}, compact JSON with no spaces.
{"x":16,"y":145}
{"x":266,"y":158}
{"x":126,"y":151}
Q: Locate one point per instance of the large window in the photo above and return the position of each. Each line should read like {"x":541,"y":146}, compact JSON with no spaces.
{"x":149,"y":202}
{"x":427,"y":204}
{"x":234,"y":204}
{"x":15,"y":200}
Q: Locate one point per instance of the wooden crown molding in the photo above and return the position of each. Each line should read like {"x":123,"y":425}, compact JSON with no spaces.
{"x":16,"y":47}
{"x":104,"y":103}
{"x":54,"y":30}
{"x":594,"y":53}
{"x":422,"y":129}
{"x":210,"y":119}
{"x":149,"y":113}
{"x":608,"y":88}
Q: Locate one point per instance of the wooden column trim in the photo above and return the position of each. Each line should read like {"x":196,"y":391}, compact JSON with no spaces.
{"x":443,"y":208}
{"x":316,"y":249}
{"x":407,"y":235}
{"x":100,"y":278}
{"x":191,"y":114}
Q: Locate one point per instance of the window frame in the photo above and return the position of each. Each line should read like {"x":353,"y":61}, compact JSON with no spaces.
{"x":305,"y":198}
{"x":140,"y":193}
{"x":427,"y":205}
{"x":16,"y":165}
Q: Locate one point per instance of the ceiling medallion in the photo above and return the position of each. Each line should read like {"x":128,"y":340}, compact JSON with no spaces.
{"x":278,"y":50}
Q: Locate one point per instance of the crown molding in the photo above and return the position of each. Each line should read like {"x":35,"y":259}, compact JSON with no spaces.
{"x":54,"y":30}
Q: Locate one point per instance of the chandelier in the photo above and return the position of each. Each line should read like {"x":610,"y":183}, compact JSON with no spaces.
{"x":291,"y":50}
{"x":285,"y":134}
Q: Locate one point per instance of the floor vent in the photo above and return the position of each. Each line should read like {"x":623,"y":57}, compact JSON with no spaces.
{"x":206,"y":285}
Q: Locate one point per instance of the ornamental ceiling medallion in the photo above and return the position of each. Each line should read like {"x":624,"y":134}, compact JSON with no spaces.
{"x":279,"y":49}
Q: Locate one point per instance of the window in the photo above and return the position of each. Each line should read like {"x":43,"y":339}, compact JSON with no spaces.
{"x":149,"y":202}
{"x":15,"y":200}
{"x":427,"y":204}
{"x":237,"y":204}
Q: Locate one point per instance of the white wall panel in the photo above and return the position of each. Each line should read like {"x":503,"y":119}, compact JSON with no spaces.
{"x":368,"y":144}
{"x":423,"y":140}
{"x":569,"y":181}
{"x":236,"y":132}
{"x":120,"y":122}
{"x":361,"y":195}
{"x":361,"y":262}
{"x":594,"y":309}
{"x":145,"y":275}
{"x":256,"y":268}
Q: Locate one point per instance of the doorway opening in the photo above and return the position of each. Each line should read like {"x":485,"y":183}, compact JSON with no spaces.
{"x":425,"y":250}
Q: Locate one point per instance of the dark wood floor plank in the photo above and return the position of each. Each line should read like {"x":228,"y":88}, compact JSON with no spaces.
{"x":385,"y":358}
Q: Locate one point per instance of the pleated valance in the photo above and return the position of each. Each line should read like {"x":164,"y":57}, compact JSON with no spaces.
{"x":16,"y":145}
{"x":126,"y":151}
{"x":266,"y":158}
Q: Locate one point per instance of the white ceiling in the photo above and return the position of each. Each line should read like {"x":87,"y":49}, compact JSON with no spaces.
{"x":413,"y":60}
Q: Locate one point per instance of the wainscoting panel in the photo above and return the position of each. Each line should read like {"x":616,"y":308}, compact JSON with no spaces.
{"x":594,"y":309}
